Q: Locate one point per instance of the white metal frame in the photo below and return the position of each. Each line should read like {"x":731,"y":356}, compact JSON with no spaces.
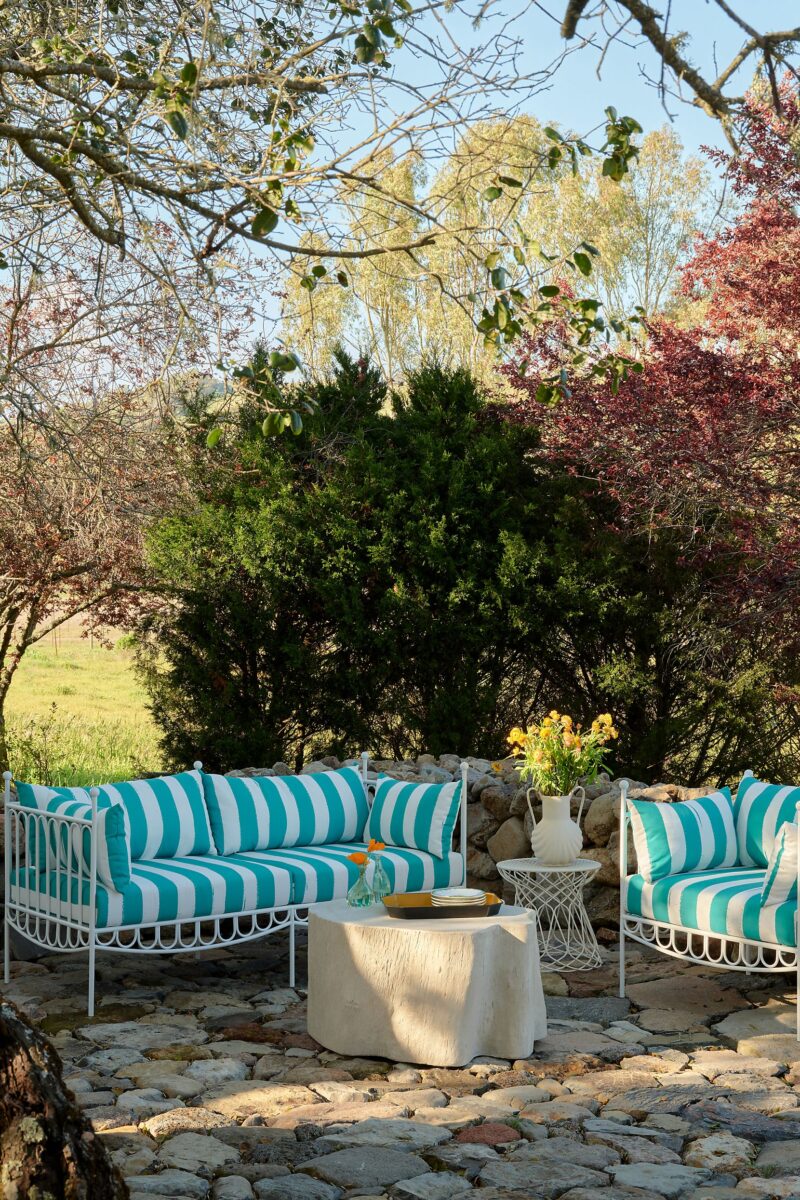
{"x":693,"y":945}
{"x":62,"y":923}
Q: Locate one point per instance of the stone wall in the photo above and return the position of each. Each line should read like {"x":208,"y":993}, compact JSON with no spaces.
{"x":499,"y":824}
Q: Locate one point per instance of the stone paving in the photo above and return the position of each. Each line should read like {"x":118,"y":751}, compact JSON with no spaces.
{"x":199,"y":1075}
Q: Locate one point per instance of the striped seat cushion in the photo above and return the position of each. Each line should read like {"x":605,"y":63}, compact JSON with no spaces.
{"x":113,"y":848}
{"x":760,"y":809}
{"x":326,"y":872}
{"x":721,"y":902}
{"x":692,"y":835}
{"x":272,"y":811}
{"x":420,"y":816}
{"x":180,"y":889}
{"x":166,"y":817}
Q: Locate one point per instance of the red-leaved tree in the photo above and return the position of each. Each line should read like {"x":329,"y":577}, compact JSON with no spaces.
{"x":704,"y":445}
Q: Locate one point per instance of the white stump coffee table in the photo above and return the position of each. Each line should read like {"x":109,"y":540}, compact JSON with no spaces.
{"x":437,"y":992}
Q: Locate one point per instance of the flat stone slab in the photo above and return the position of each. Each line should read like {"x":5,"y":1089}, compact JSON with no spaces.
{"x":766,"y":1032}
{"x":182,"y":1120}
{"x":743,"y":1122}
{"x":781,"y":1156}
{"x":541,"y":1179}
{"x":133,"y":1035}
{"x":246,"y":1097}
{"x":601,"y":1009}
{"x":440,"y":1185}
{"x":169,"y":1183}
{"x":295,"y":1187}
{"x":196,"y":1151}
{"x":667,"y":1179}
{"x":361,"y":1166}
{"x":410,"y":1135}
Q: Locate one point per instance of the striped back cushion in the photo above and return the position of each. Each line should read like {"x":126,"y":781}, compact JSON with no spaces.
{"x":691,"y":835}
{"x":760,"y":810}
{"x":271,"y":811}
{"x":166,"y":817}
{"x":113,"y":850}
{"x":420,"y":816}
{"x":780,"y":881}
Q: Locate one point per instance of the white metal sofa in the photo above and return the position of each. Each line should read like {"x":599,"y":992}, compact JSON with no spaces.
{"x":194,"y":886}
{"x":715,"y":915}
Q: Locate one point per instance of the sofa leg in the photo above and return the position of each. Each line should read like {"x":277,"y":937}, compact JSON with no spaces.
{"x":622,"y":959}
{"x":797,"y":993}
{"x":291,"y":949}
{"x":90,"y":1003}
{"x":6,"y":953}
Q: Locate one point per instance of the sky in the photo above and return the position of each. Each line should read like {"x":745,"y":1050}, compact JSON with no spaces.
{"x":577,"y":96}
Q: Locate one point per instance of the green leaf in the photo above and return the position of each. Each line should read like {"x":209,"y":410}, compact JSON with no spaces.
{"x":189,"y":74}
{"x":341,"y":279}
{"x":490,"y":194}
{"x":213,"y":437}
{"x":296,"y":423}
{"x":500,"y":278}
{"x":583,"y":263}
{"x":264,"y":222}
{"x":177,"y":123}
{"x":491,"y":260}
{"x":318,"y":272}
{"x":549,"y":289}
{"x":553,"y":134}
{"x":519,"y":256}
{"x":545,"y":394}
{"x":509,"y":181}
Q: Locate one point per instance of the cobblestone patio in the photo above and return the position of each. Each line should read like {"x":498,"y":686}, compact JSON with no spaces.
{"x":200,"y":1077}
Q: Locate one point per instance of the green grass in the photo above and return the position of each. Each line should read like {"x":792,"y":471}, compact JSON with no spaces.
{"x":77,"y":715}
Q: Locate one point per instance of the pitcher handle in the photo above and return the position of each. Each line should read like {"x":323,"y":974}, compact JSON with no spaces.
{"x":530,"y":807}
{"x":575,"y":791}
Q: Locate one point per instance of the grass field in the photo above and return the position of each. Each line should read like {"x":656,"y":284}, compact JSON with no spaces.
{"x":77,"y":714}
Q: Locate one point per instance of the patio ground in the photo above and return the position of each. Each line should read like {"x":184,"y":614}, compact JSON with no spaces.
{"x":200,"y":1077}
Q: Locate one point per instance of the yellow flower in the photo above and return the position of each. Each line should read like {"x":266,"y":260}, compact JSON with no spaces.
{"x":566,"y":721}
{"x":606,"y":719}
{"x":554,"y":715}
{"x":516,"y":737}
{"x":497,"y":767}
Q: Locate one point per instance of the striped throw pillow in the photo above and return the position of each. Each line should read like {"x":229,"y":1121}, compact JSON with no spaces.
{"x":691,"y":835}
{"x":113,"y":850}
{"x":780,"y":882}
{"x":420,"y":816}
{"x":267,"y":812}
{"x":760,"y":810}
{"x":166,"y":817}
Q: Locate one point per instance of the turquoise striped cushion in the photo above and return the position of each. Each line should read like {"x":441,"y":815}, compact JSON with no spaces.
{"x":270,"y":811}
{"x":180,"y":889}
{"x":166,"y":817}
{"x":687,"y":836}
{"x":113,"y":850}
{"x":421,"y":816}
{"x":326,"y":872}
{"x":780,"y":882}
{"x":720,"y":902}
{"x":760,"y":810}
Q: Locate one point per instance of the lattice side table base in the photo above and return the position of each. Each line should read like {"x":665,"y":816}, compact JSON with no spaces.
{"x":555,"y":895}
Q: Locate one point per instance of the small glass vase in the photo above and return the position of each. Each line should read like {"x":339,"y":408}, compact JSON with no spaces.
{"x":381,"y":888}
{"x":360,"y":894}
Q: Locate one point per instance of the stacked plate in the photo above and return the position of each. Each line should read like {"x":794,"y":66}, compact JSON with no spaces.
{"x":444,"y":897}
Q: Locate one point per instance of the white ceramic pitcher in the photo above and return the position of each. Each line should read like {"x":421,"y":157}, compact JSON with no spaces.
{"x":556,"y":839}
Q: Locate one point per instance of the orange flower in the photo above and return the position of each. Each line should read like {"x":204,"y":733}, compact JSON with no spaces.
{"x":359,"y":857}
{"x":373,"y":845}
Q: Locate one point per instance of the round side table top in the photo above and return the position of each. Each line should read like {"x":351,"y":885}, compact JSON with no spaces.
{"x":530,"y":866}
{"x":375,"y":916}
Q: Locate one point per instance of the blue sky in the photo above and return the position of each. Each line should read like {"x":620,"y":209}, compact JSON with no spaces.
{"x":577,"y":97}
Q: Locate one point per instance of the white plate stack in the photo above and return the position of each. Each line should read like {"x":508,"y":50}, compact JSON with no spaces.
{"x":448,"y":897}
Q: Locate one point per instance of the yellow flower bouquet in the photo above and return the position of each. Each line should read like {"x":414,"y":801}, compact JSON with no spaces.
{"x":555,"y":754}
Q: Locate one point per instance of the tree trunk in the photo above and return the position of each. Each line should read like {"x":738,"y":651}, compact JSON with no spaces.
{"x":47,"y":1146}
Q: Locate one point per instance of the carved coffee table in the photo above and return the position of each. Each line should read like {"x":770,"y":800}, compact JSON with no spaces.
{"x":437,"y":992}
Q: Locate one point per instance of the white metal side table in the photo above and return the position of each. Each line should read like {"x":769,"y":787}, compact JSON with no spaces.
{"x":555,"y":895}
